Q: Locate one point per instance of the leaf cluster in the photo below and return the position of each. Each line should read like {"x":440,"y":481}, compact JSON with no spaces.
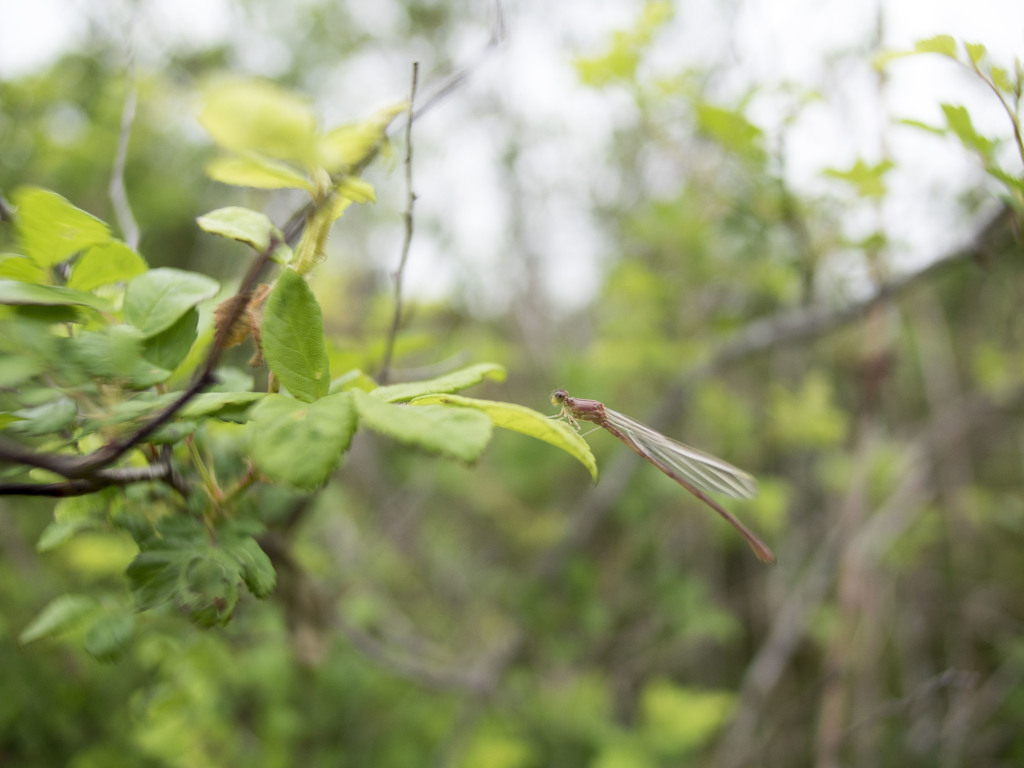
{"x":1005,"y":83}
{"x":113,"y":388}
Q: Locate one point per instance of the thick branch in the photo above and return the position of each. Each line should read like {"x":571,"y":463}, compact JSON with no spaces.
{"x":795,"y":326}
{"x":102,"y":479}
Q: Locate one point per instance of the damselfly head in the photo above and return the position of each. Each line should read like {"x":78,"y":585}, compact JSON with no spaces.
{"x":558,"y":397}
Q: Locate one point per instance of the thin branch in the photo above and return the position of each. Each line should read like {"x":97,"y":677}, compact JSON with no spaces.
{"x":118,"y":194}
{"x":85,"y":467}
{"x":1010,"y":111}
{"x":203,"y":378}
{"x":293,"y":228}
{"x":460,"y":77}
{"x":410,"y":203}
{"x":6,"y":211}
{"x":90,"y":466}
{"x":409,"y":665}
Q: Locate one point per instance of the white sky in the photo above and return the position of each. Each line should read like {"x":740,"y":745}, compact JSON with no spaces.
{"x":458,"y":155}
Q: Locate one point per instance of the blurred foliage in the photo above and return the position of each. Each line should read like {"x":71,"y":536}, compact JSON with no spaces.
{"x":510,"y":613}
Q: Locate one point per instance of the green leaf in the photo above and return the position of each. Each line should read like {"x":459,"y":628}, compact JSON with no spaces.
{"x":60,"y":531}
{"x":52,"y":229}
{"x":257,"y":570}
{"x":450,"y":382}
{"x":732,"y":130}
{"x":6,"y":419}
{"x":622,"y":55}
{"x":350,"y":146}
{"x":61,"y":615}
{"x":975,"y":51}
{"x":526,"y":421}
{"x":300,"y":443}
{"x":247,"y":115}
{"x":251,"y":170}
{"x":1014,"y":184}
{"x":867,"y":180}
{"x":47,"y":418}
{"x":354,"y":379}
{"x":678,"y":720}
{"x":227,"y":405}
{"x":959,"y":121}
{"x":106,"y":263}
{"x":168,"y":348}
{"x":159,"y":298}
{"x":154,"y":576}
{"x":16,"y":293}
{"x":243,"y":224}
{"x":933,"y":129}
{"x":459,"y":433}
{"x":15,"y":370}
{"x":116,"y":353}
{"x":293,"y":338}
{"x":14,"y":266}
{"x":179,"y":532}
{"x":357,"y":190}
{"x":807,"y":417}
{"x":209,"y":588}
{"x":109,"y":635}
{"x":1001,"y":79}
{"x":942,"y":44}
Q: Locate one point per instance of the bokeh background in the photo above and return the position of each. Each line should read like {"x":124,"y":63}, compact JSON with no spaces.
{"x":713,"y":216}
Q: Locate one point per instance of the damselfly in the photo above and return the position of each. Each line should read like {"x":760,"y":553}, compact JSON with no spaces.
{"x":694,"y":470}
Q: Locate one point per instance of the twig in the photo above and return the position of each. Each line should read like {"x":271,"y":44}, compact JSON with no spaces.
{"x":410,"y":202}
{"x":1010,"y":111}
{"x":293,"y":228}
{"x":6,"y":211}
{"x":459,"y":78}
{"x":960,"y":679}
{"x":409,"y":665}
{"x":118,"y":194}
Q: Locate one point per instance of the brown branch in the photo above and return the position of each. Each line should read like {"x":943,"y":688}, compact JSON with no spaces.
{"x":61,"y":490}
{"x":90,"y":466}
{"x":203,"y":378}
{"x":104,"y":478}
{"x":397,"y":277}
{"x":58,"y":463}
